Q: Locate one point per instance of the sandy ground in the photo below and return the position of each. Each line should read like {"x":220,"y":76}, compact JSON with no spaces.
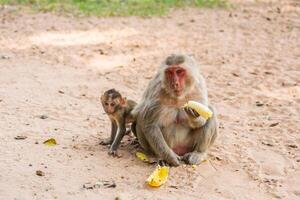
{"x":58,"y":66}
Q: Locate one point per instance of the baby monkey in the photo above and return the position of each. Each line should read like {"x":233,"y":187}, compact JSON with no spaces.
{"x":119,"y":111}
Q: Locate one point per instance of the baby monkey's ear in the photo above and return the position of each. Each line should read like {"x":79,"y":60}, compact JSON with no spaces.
{"x":101,"y":98}
{"x":123,"y":101}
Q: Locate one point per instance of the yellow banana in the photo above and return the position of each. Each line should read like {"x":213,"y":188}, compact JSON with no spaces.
{"x":201,"y":109}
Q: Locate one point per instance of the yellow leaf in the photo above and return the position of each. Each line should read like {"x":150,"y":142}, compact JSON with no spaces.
{"x":158,"y":177}
{"x":142,"y":156}
{"x":50,"y":142}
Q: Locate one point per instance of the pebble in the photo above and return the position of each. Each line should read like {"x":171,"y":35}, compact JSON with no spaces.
{"x":20,"y":137}
{"x":40,"y":173}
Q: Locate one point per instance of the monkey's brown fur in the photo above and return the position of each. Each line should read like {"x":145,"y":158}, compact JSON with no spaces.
{"x":163,"y":127}
{"x":119,"y":111}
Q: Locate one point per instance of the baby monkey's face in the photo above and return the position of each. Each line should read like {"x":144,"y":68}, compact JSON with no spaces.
{"x":111,"y":105}
{"x":111,"y":101}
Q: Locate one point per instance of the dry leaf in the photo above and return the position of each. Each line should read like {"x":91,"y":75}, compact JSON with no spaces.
{"x":50,"y":142}
{"x":142,"y":156}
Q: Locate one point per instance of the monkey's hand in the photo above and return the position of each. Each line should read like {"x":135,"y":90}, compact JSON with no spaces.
{"x":191,"y":112}
{"x":195,"y":120}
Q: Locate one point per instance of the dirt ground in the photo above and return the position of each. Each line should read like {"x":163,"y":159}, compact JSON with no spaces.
{"x":57,"y":66}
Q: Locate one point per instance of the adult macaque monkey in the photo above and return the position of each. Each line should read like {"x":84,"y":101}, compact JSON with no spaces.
{"x":163,"y":127}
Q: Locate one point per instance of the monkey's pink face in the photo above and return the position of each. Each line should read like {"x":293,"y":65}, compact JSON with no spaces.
{"x":176,"y":77}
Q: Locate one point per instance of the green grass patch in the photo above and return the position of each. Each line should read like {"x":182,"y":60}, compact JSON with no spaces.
{"x":114,"y":7}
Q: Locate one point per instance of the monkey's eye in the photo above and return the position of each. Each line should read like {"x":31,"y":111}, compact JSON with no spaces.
{"x":169,"y":73}
{"x":112,"y":104}
{"x":106,"y":104}
{"x":180,"y":72}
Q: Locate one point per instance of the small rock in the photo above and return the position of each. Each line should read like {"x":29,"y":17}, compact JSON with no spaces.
{"x":253,"y":73}
{"x":20,"y":137}
{"x":235,"y":74}
{"x":100,"y":184}
{"x":101,"y":52}
{"x":174,"y":186}
{"x":268,"y":73}
{"x":258,"y":104}
{"x":40,"y":173}
{"x":105,"y":184}
{"x":218,"y":158}
{"x":274,"y":124}
{"x":267,"y":144}
{"x":5,"y":57}
{"x":43,"y":116}
{"x":88,"y":186}
{"x":293,"y":146}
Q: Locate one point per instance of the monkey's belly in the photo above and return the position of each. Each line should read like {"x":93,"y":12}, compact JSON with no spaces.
{"x":179,"y":139}
{"x":181,"y":150}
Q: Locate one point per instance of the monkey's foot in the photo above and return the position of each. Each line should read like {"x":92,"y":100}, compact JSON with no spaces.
{"x":173,"y":159}
{"x":114,"y":153}
{"x":106,"y":141}
{"x":163,"y":163}
{"x":194,"y":158}
{"x":128,"y":132}
{"x":135,"y":143}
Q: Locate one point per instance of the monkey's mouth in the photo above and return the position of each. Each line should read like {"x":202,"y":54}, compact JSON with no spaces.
{"x":178,"y":92}
{"x":110,"y":112}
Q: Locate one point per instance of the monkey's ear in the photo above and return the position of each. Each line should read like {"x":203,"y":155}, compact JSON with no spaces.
{"x":123,"y":101}
{"x":101,"y":98}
